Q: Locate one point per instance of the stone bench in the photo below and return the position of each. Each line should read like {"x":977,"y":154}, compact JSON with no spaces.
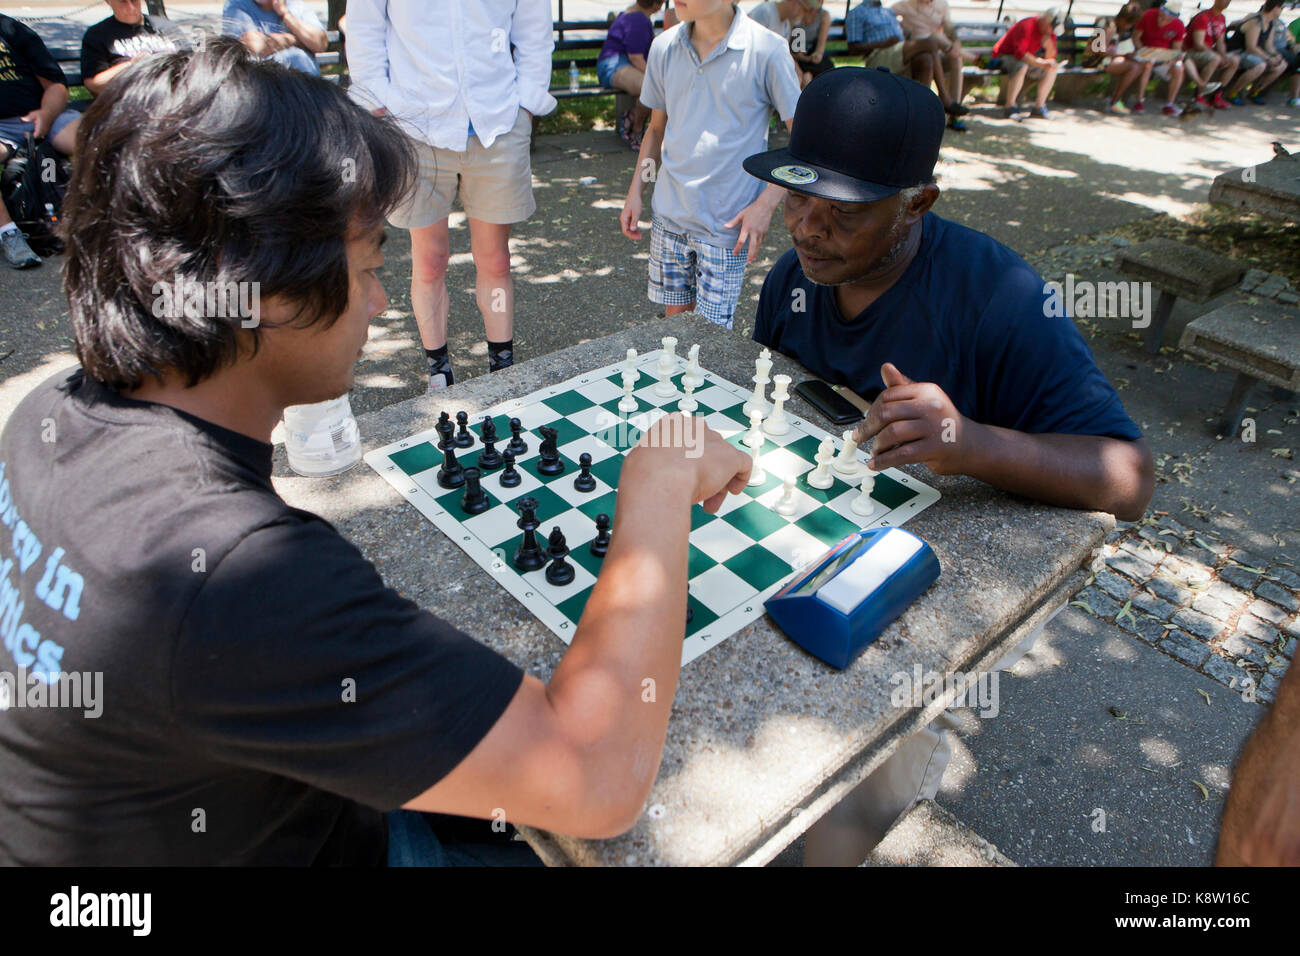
{"x":1261,"y":342}
{"x":1177,"y":270}
{"x":928,"y":835}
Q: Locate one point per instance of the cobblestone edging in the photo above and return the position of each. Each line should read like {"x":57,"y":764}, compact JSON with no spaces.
{"x":1269,"y":285}
{"x":1213,"y":606}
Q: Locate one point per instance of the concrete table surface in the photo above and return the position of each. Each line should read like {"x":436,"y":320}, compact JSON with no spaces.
{"x":764,"y":738}
{"x":1271,"y":189}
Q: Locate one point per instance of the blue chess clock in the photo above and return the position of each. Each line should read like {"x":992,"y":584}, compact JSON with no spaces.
{"x":847,"y":597}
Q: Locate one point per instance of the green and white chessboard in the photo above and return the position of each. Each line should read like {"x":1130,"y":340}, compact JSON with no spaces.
{"x":738,"y":557}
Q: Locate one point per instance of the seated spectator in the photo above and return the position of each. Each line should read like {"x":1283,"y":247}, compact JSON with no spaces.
{"x":1287,"y":44}
{"x":621,"y":64}
{"x":923,"y":19}
{"x":1159,"y":37}
{"x":1016,"y":55}
{"x":112,"y":43}
{"x":33,"y":97}
{"x":875,"y":33}
{"x":1260,"y":61}
{"x":1111,"y":49}
{"x":1206,"y":49}
{"x":286,"y":31}
{"x":790,"y":20}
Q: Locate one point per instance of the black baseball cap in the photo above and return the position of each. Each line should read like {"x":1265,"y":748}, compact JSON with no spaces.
{"x":859,"y":135}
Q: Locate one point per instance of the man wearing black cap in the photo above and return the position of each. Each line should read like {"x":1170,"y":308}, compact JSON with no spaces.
{"x":949,"y":333}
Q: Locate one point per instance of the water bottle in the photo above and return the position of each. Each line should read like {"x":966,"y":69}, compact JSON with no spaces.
{"x":50,"y":216}
{"x":573,"y":76}
{"x":322,"y":439}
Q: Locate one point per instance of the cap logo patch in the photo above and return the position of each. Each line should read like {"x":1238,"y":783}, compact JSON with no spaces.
{"x":795,"y":175}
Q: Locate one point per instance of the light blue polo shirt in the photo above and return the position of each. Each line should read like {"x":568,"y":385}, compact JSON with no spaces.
{"x":718,"y":113}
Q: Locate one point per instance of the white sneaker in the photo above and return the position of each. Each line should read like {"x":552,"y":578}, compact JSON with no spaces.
{"x":1211,"y":87}
{"x":17,"y":253}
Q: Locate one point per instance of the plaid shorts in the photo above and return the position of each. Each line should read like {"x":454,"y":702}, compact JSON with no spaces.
{"x":684,"y":270}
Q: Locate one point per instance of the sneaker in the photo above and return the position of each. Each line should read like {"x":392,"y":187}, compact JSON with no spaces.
{"x":1202,"y":101}
{"x":634,"y":139}
{"x":1118,"y":107}
{"x":1169,"y":109}
{"x":1209,"y":88}
{"x":438,"y":381}
{"x":1039,"y":112}
{"x":1221,"y":104}
{"x":625,"y":127}
{"x":956,"y":109}
{"x":1294,"y":102}
{"x":1257,"y":100}
{"x":17,"y":252}
{"x":1012,"y":112}
{"x":955,"y":124}
{"x":1139,"y":107}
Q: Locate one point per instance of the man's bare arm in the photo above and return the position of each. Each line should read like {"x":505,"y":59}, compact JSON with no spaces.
{"x":309,"y":36}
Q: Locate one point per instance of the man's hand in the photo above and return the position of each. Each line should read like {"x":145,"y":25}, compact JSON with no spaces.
{"x":39,"y":121}
{"x":630,"y":218}
{"x":915,"y":423}
{"x":279,"y":7}
{"x":683,"y":445}
{"x":754,"y":221}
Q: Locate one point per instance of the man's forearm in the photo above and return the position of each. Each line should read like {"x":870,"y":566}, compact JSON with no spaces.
{"x":647,"y":161}
{"x":771,"y":196}
{"x":1073,"y":471}
{"x":309,"y":37}
{"x":53,"y":101}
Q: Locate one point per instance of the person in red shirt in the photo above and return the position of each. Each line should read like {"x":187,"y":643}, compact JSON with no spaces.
{"x":1159,"y":39}
{"x":1016,"y":54}
{"x":1207,"y":50}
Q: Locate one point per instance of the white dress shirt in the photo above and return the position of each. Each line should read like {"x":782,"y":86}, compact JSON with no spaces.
{"x":438,"y":65}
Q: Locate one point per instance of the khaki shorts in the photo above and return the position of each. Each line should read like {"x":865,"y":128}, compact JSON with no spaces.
{"x":495,"y":183}
{"x":891,"y":58}
{"x":1200,"y":57}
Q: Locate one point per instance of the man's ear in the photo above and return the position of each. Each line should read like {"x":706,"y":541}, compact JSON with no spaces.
{"x":922,"y":202}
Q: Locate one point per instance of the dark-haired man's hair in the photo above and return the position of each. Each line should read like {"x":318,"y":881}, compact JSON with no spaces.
{"x":1270,"y":5}
{"x":213,"y":167}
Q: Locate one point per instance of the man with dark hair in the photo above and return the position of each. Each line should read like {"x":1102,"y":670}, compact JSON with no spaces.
{"x":971,"y":368}
{"x":112,"y":43}
{"x":269,"y":700}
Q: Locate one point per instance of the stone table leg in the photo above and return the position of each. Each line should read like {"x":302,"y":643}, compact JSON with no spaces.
{"x":1232,"y":412}
{"x":1164,"y":308}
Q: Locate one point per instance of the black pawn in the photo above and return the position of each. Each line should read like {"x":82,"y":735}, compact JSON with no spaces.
{"x":489,"y":458}
{"x":549,"y":462}
{"x":510,"y":478}
{"x":559,"y":571}
{"x":529,"y":557}
{"x":475,"y":500}
{"x":463,"y":438}
{"x":584,"y":482}
{"x":600,"y":545}
{"x":517,"y":445}
{"x":452,"y":473}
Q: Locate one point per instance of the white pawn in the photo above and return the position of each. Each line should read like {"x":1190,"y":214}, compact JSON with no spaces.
{"x":754,"y":437}
{"x":777,"y":423}
{"x":863,"y":504}
{"x":694,"y":374}
{"x":762,"y":365}
{"x":756,"y":473}
{"x":847,"y":463}
{"x":786,"y":505}
{"x":821,"y":476}
{"x":687,"y":404}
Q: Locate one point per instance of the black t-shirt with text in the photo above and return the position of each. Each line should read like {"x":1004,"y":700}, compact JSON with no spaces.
{"x":111,"y":41}
{"x":264,"y":698}
{"x":23,"y":60}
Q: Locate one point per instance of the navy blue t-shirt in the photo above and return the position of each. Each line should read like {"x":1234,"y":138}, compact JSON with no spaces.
{"x":967,"y":315}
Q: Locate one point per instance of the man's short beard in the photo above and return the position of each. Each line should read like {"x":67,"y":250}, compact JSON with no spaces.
{"x":901,"y":236}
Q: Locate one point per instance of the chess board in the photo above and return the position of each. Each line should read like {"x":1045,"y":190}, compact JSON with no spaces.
{"x":738,"y":557}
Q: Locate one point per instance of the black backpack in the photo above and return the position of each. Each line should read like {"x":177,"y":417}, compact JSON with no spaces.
{"x":32,"y":185}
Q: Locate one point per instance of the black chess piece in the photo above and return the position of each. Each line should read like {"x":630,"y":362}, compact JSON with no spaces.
{"x":510,"y":477}
{"x":559,"y":571}
{"x":690,"y":612}
{"x":549,"y":463}
{"x":489,"y":458}
{"x":475,"y":500}
{"x":463,"y":437}
{"x":600,"y":544}
{"x":584,"y":482}
{"x":452,"y":473}
{"x":443,"y":419}
{"x":529,"y":556}
{"x":517,"y":445}
{"x":444,"y":429}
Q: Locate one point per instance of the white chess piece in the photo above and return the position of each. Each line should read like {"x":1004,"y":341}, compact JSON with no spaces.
{"x":777,"y":423}
{"x":670,"y":348}
{"x":627,"y":403}
{"x":665,"y":388}
{"x":687,"y":404}
{"x":847,"y":463}
{"x":756,"y":473}
{"x":786,"y":505}
{"x":762,"y":365}
{"x":863,"y":504}
{"x":754,"y":437}
{"x":821,"y":476}
{"x":694,"y":374}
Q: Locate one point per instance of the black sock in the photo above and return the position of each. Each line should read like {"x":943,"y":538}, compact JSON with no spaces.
{"x":501,"y":355}
{"x":439,"y":363}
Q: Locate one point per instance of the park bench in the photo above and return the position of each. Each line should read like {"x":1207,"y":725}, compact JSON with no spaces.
{"x":1177,"y":270}
{"x":1260,"y":341}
